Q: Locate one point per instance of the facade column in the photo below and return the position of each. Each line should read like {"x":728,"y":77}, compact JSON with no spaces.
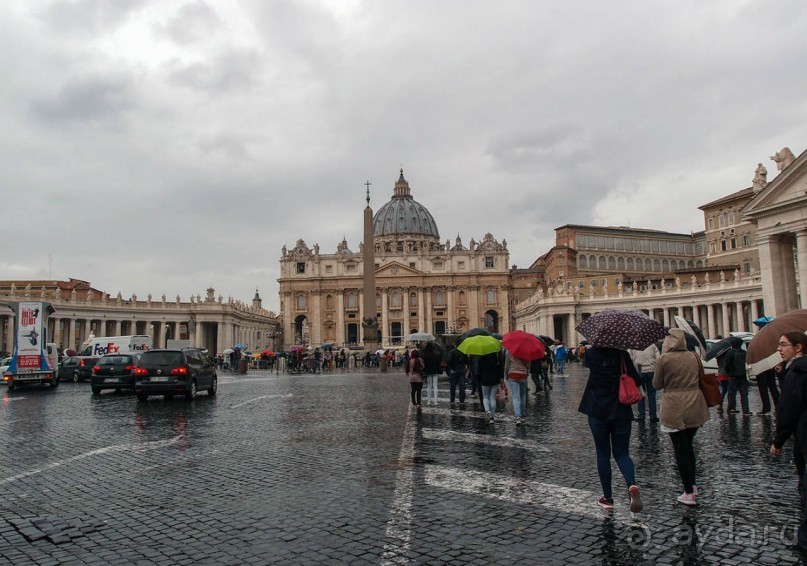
{"x":801,"y":254}
{"x":505,"y":318}
{"x":421,"y":311}
{"x":726,"y":321}
{"x":771,"y":273}
{"x":386,"y":329}
{"x":452,"y":315}
{"x":429,"y":311}
{"x":340,"y":317}
{"x":316,"y":322}
{"x":406,"y":310}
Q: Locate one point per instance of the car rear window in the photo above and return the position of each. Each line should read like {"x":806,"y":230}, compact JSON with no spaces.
{"x":114,"y":360}
{"x":151,"y":359}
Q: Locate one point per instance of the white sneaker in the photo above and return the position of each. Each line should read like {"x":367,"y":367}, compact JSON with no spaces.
{"x":488,"y":418}
{"x":687,"y":499}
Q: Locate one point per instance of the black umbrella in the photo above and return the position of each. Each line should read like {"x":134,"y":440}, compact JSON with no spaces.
{"x":692,"y":329}
{"x":474,"y":332}
{"x":623,"y":329}
{"x":718,"y":348}
{"x":546,"y":339}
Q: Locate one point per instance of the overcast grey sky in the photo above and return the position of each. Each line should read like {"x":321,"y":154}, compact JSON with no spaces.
{"x":158,"y":146}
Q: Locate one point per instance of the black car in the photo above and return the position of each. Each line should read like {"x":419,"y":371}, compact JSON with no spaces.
{"x":174,"y":372}
{"x":113,"y":371}
{"x":76,"y":368}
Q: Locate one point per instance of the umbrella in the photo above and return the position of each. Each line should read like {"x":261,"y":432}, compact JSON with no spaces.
{"x":497,"y":335}
{"x":766,"y":341}
{"x":419,"y":337}
{"x":479,"y":345}
{"x":267,"y":353}
{"x":623,"y":329}
{"x":474,"y":332}
{"x":296,"y":348}
{"x":256,"y":355}
{"x":718,"y":348}
{"x":762,"y":321}
{"x":692,"y":329}
{"x":228,"y":351}
{"x":70,"y":352}
{"x":379,"y":352}
{"x":523,"y":345}
{"x":240,"y":347}
{"x":546,"y":339}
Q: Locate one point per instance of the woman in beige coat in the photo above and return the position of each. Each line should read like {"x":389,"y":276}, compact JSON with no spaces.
{"x":683,"y":408}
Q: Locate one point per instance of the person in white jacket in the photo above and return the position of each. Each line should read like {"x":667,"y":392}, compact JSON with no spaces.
{"x":645,"y":362}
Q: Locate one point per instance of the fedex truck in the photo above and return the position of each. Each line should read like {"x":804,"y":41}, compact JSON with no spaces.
{"x":34,"y":359}
{"x":97,"y":347}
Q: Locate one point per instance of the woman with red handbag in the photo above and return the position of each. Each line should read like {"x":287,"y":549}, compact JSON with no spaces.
{"x":683,"y":407}
{"x":609,"y":420}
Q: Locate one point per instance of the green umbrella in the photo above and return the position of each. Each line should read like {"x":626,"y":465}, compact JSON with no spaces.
{"x":479,"y":345}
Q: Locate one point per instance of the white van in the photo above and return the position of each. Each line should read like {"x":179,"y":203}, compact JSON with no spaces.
{"x":98,"y":347}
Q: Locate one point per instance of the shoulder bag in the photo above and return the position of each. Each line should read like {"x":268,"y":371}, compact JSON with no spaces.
{"x":629,"y":393}
{"x":708,"y":385}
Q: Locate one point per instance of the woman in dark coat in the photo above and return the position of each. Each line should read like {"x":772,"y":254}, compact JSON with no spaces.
{"x":609,"y":420}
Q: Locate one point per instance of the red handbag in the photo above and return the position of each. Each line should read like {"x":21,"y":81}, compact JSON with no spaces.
{"x":629,"y":393}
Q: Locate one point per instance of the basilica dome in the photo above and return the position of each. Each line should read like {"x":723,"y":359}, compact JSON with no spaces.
{"x":403,"y":215}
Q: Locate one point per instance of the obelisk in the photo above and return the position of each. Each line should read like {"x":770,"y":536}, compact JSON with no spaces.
{"x":369,"y":321}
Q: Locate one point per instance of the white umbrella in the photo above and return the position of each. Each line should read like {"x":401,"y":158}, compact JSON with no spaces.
{"x":419,"y":337}
{"x":379,"y":352}
{"x":228,"y":351}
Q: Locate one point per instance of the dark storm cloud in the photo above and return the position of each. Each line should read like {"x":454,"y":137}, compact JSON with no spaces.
{"x":88,"y":99}
{"x":228,"y":71}
{"x":78,"y":17}
{"x":192,"y":22}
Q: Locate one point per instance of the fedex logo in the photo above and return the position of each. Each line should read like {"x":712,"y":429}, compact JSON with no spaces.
{"x":139,"y":347}
{"x":99,"y":350}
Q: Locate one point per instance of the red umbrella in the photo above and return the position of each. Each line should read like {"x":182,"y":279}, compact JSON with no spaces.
{"x":523,"y":345}
{"x":267,"y":353}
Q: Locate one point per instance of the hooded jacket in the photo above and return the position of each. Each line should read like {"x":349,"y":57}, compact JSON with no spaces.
{"x":516,"y":368}
{"x":601,"y":397}
{"x":678,"y":374}
{"x":791,"y":413}
{"x":646,"y":358}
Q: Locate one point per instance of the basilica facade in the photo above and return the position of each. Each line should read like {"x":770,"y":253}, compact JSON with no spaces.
{"x":422,"y":284}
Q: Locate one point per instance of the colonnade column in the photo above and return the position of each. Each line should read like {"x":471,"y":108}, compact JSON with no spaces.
{"x":726,"y":322}
{"x":220,"y":344}
{"x":754,"y":314}
{"x":801,"y":254}
{"x":71,"y":334}
{"x":665,"y":316}
{"x":696,"y":314}
{"x":710,"y":321}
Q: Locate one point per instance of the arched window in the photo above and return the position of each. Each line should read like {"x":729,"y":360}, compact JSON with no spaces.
{"x":461,"y":297}
{"x":611,"y":262}
{"x":656,"y":265}
{"x":699,"y":263}
{"x":583,"y":262}
{"x":602,"y":262}
{"x":665,"y":265}
{"x":352,"y":300}
{"x":691,"y":264}
{"x":648,"y":265}
{"x":300,"y":302}
{"x":439,"y":298}
{"x":620,"y":263}
{"x":395,"y":299}
{"x":413,"y":299}
{"x":490,"y":297}
{"x":630,"y":264}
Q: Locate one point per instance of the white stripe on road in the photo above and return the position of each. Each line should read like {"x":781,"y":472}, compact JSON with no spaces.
{"x":498,"y":486}
{"x":142,"y":447}
{"x":239,"y":405}
{"x":10,"y":398}
{"x":503,"y":441}
{"x":399,"y":524}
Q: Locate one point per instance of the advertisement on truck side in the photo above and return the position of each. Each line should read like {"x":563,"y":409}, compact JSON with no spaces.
{"x":29,"y":331}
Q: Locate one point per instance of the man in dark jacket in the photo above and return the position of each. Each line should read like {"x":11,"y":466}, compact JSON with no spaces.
{"x":457,"y":370}
{"x":738,"y":378}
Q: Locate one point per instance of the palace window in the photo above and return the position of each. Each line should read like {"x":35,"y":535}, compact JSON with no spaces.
{"x":439,"y":298}
{"x":746,"y":240}
{"x":352,"y":300}
{"x":395,"y":299}
{"x":413,"y":299}
{"x":488,"y":262}
{"x":490,"y":297}
{"x":300,"y":267}
{"x":460,"y":266}
{"x":300,"y":302}
{"x":583,"y":262}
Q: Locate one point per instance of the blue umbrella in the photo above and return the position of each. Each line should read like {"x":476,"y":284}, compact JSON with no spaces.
{"x":240,"y":347}
{"x":762,"y":321}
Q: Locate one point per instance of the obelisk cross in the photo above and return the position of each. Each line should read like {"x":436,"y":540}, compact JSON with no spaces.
{"x":367,"y":184}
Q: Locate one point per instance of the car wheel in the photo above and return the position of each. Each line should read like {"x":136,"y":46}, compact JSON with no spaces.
{"x":213,"y":387}
{"x":75,"y":377}
{"x":191,"y":393}
{"x":96,"y":390}
{"x":142,"y":397}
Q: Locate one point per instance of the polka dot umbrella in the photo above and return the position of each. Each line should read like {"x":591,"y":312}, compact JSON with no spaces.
{"x":623,"y":329}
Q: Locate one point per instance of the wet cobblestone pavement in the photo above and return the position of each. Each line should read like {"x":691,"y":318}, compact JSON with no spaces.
{"x":337,"y":468}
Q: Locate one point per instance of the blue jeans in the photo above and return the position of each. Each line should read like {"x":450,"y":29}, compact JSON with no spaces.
{"x":518,"y":389}
{"x":612,"y":437}
{"x":489,"y":398}
{"x":561,"y":366}
{"x":647,"y":381}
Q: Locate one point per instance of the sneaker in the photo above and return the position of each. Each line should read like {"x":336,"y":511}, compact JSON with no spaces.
{"x":687,"y":499}
{"x":748,"y":414}
{"x":636,"y":504}
{"x":764,"y":413}
{"x":606,"y":502}
{"x":519,"y":420}
{"x":719,"y":408}
{"x":733,"y":411}
{"x":493,"y":419}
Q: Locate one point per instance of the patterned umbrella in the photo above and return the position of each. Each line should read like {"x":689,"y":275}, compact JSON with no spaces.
{"x":523,"y":345}
{"x":766,"y":341}
{"x":479,"y":345}
{"x":623,"y":329}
